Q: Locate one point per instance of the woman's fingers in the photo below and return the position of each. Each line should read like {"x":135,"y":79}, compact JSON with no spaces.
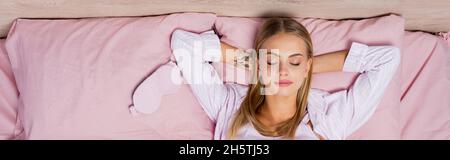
{"x":243,"y":59}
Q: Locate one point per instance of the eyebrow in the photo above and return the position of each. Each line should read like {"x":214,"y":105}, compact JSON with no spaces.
{"x":296,"y":54}
{"x":293,"y":55}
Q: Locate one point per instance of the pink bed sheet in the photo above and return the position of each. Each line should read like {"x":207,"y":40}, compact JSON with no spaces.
{"x":425,"y":102}
{"x":9,"y":96}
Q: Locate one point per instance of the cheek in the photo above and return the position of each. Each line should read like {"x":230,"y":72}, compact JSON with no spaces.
{"x":267,"y":72}
{"x":264,"y":76}
{"x":299,"y":75}
{"x":297,"y":71}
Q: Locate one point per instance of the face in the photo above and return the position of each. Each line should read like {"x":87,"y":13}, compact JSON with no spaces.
{"x":286,"y":65}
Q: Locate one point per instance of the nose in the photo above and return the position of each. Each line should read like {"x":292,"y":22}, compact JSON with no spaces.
{"x":283,"y":71}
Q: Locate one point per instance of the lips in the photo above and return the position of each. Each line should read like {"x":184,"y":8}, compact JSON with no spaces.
{"x":284,"y":83}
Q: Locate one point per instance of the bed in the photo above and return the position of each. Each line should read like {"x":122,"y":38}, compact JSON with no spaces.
{"x":69,"y":68}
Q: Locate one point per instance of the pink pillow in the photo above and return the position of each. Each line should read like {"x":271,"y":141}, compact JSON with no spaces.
{"x":8,"y":96}
{"x":76,"y":78}
{"x":328,"y":36}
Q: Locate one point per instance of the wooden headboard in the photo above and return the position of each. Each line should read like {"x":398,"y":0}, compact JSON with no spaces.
{"x":426,"y":15}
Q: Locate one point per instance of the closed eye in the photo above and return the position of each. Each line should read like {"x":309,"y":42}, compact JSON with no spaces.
{"x":272,"y":59}
{"x":294,"y":61}
{"x":272,"y":63}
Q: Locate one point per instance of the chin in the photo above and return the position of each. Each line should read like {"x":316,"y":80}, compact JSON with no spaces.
{"x":285,"y":92}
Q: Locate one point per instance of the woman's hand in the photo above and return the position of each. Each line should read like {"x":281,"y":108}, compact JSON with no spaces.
{"x":237,"y":57}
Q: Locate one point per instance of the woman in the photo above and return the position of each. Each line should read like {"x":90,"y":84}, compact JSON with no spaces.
{"x":281,"y":104}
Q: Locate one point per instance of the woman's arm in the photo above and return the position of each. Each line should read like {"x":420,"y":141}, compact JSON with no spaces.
{"x":350,"y":109}
{"x":201,"y":76}
{"x":329,"y":62}
{"x":227,"y":57}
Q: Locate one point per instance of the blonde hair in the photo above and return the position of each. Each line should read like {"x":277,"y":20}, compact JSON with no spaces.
{"x":253,"y":101}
